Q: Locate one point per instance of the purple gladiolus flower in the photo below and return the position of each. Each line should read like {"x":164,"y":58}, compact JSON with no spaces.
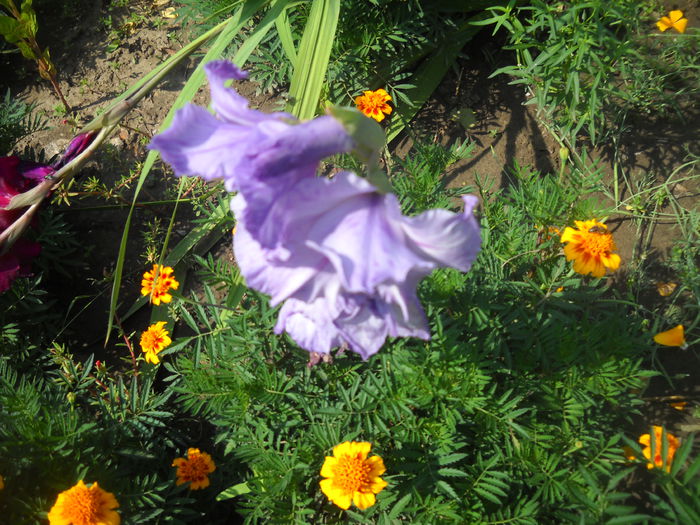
{"x":337,"y":252}
{"x":346,"y":262}
{"x":76,"y":147}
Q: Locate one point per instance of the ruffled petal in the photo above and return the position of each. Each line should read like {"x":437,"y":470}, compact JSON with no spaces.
{"x":226,"y":102}
{"x":309,"y":324}
{"x":197,"y":143}
{"x":445,"y":238}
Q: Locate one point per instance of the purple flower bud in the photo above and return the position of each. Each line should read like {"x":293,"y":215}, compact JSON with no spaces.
{"x":75,"y":148}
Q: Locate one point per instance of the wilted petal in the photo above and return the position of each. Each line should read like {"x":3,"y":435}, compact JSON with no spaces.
{"x":77,"y":145}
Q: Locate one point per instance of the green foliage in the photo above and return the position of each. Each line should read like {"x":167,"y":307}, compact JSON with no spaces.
{"x":590,"y":63}
{"x":514,"y":411}
{"x":510,"y":413}
{"x":62,"y":421}
{"x":17,"y":120}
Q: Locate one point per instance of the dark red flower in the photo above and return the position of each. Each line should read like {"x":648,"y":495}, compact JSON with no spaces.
{"x":16,"y":177}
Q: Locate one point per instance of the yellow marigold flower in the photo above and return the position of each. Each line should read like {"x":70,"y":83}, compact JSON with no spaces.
{"x":374,"y":104}
{"x":674,"y":20}
{"x":164,"y":281}
{"x":673,"y":337}
{"x":352,"y":476}
{"x":153,"y":340}
{"x":654,"y":456}
{"x":590,"y":246}
{"x":83,"y":505}
{"x":194,"y":469}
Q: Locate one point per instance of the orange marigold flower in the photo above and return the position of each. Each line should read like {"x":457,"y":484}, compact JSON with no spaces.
{"x":194,"y":469}
{"x":590,"y":246}
{"x":673,"y":337}
{"x":153,"y":340}
{"x":352,"y":476}
{"x":674,"y":20}
{"x":83,"y":505}
{"x":158,"y":282}
{"x":654,"y":455}
{"x":374,"y":104}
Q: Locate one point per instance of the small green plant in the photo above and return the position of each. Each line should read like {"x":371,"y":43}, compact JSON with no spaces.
{"x":590,"y":64}
{"x":17,"y":120}
{"x":20,"y":28}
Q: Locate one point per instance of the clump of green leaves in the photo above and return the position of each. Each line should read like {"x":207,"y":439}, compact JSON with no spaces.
{"x":511,"y":413}
{"x":17,"y":120}
{"x":589,"y":64}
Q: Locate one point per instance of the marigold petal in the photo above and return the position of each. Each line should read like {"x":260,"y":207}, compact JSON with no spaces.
{"x":612,"y":261}
{"x":360,"y":448}
{"x":343,"y":449}
{"x":675,"y":15}
{"x":377,"y":465}
{"x":645,"y":439}
{"x":364,"y":500}
{"x":673,"y":337}
{"x":377,"y":115}
{"x":568,"y":234}
{"x":386,"y":95}
{"x":152,"y":357}
{"x":377,"y":485}
{"x":598,"y":270}
{"x":328,"y":465}
{"x":336,"y":495}
{"x":681,"y":25}
{"x":570,"y":252}
{"x":328,"y":488}
{"x":200,"y":484}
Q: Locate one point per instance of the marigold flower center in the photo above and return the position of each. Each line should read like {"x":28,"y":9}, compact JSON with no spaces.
{"x":352,"y":473}
{"x":597,"y":243}
{"x":82,"y":506}
{"x":194,"y":469}
{"x":153,"y":340}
